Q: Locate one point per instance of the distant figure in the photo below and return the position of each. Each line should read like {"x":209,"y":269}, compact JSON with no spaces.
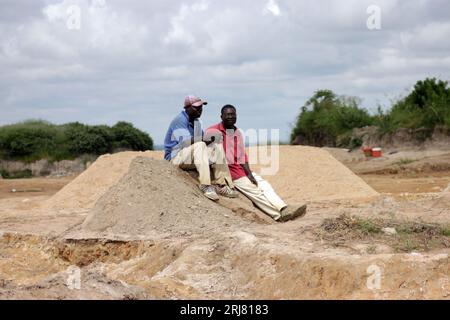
{"x":258,"y":190}
{"x":184,"y":146}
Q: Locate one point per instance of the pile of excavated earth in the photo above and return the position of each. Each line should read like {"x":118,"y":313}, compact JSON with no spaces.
{"x":134,"y":226}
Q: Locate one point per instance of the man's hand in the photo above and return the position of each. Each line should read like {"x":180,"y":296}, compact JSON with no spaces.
{"x":212,"y":135}
{"x":252,"y":179}
{"x":249,"y":173}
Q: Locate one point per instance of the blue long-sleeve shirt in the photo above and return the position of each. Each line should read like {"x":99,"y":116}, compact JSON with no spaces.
{"x":179,"y":134}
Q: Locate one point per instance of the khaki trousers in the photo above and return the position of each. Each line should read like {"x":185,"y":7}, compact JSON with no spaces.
{"x":199,"y":156}
{"x":262,"y":195}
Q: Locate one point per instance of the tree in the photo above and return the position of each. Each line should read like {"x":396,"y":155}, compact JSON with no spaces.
{"x":426,"y":106}
{"x":127,"y":136}
{"x":325,"y":116}
{"x":89,"y":139}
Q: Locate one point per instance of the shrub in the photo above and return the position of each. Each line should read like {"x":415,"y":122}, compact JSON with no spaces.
{"x":16,"y":175}
{"x":36,"y":139}
{"x":30,"y":139}
{"x":88,"y":139}
{"x":427,"y":106}
{"x":325,"y":117}
{"x":128,"y":137}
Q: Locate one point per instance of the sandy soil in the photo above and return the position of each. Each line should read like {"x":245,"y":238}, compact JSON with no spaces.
{"x":329,"y":254}
{"x":410,"y":161}
{"x":32,"y":187}
{"x":311,"y":174}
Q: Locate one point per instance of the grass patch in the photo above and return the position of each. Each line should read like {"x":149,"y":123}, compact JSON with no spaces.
{"x":403,"y":162}
{"x":408,"y":245}
{"x":372,"y":249}
{"x":411,"y":236}
{"x":367,"y":226}
{"x":351,"y":223}
{"x":446,"y":231}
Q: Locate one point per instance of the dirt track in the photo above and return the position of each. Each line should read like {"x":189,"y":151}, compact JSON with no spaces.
{"x":254,"y":258}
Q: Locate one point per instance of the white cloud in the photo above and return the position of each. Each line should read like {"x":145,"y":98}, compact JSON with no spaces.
{"x":433,"y":35}
{"x":273,"y":8}
{"x":136,"y":60}
{"x":181,"y":24}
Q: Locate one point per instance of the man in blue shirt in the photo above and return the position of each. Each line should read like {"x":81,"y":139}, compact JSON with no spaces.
{"x":184,"y":146}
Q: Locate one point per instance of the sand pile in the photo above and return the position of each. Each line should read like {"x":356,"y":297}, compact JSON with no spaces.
{"x":89,"y":186}
{"x":156,"y":197}
{"x":305,"y":173}
{"x":313,"y":174}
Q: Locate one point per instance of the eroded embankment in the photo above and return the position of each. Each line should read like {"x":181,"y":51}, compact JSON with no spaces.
{"x":235,"y":265}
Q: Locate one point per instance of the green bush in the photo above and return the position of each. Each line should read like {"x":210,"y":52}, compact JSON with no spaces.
{"x":384,"y":122}
{"x":327,"y":120}
{"x":30,"y":139}
{"x":128,"y":137}
{"x":325,"y":117}
{"x":16,"y":175}
{"x":427,"y":106}
{"x":35,"y":139}
{"x":85,"y":139}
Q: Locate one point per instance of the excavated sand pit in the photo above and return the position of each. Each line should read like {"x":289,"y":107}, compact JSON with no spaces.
{"x":135,"y":227}
{"x":231,"y":266}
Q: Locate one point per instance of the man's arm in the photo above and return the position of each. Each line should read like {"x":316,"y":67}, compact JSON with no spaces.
{"x":183,"y":137}
{"x":249,"y":174}
{"x":243,"y":159}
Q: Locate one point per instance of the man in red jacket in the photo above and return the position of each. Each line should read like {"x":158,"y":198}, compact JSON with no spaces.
{"x":258,"y":190}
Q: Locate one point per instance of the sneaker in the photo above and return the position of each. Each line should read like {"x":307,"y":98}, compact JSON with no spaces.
{"x":292,"y":212}
{"x":209,"y":192}
{"x":226,"y":191}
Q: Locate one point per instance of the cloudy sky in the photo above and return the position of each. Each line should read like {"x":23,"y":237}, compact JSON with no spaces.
{"x":135,"y":60}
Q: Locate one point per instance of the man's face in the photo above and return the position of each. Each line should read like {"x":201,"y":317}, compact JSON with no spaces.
{"x":229,"y":117}
{"x":194,"y":112}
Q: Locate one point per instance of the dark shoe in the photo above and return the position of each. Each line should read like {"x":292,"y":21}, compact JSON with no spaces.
{"x":292,"y":212}
{"x":226,"y":191}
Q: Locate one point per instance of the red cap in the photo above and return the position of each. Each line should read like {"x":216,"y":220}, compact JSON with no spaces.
{"x":194,"y":101}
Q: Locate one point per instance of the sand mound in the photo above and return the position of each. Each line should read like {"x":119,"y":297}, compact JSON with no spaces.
{"x":313,"y":174}
{"x":88,"y":187}
{"x":156,"y":197}
{"x":305,"y":174}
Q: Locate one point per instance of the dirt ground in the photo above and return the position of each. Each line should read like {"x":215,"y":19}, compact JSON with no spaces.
{"x":397,"y":185}
{"x":400,"y":185}
{"x":10,"y":188}
{"x":334,"y":252}
{"x":403,"y":173}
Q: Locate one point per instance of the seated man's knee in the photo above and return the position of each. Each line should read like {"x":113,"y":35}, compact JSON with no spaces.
{"x":200,"y":151}
{"x":200,"y":144}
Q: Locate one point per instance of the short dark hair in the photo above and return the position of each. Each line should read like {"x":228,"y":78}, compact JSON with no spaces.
{"x":227,"y":106}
